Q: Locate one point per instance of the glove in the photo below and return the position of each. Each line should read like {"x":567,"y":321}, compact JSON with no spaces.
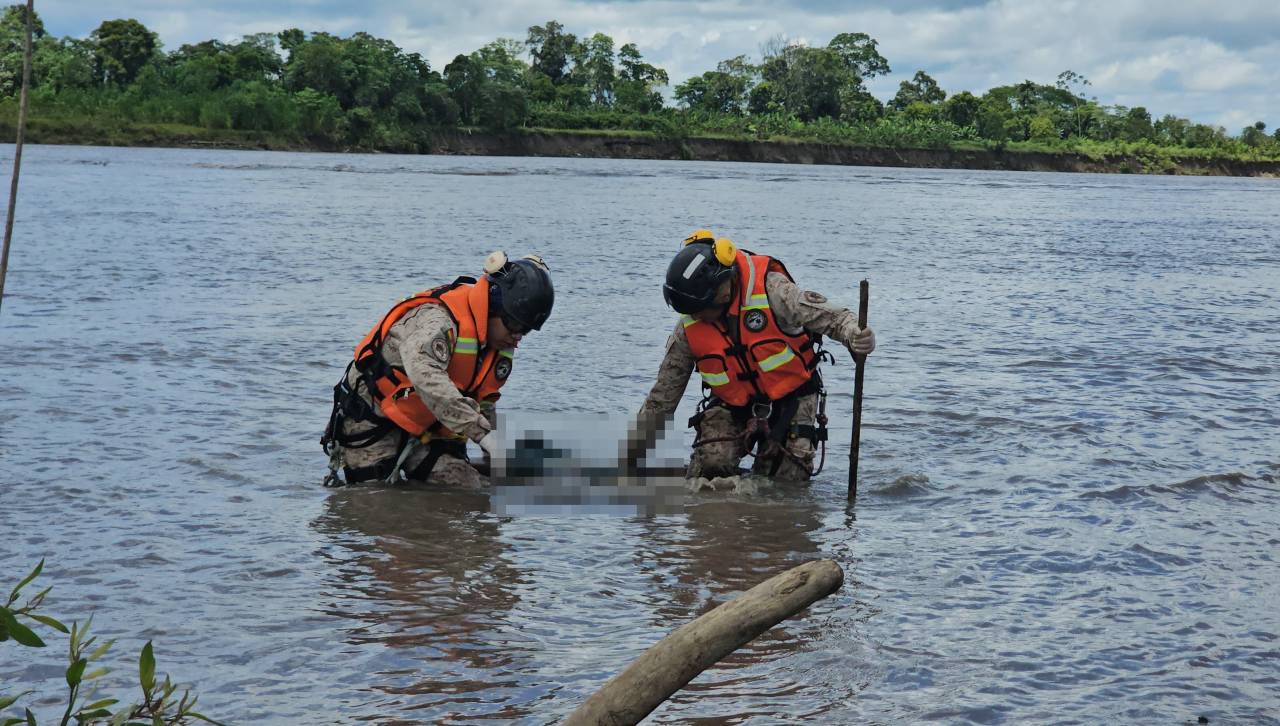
{"x":864,"y":342}
{"x":489,"y":444}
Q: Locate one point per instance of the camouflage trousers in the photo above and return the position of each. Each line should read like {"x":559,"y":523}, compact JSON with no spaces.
{"x":449,"y":471}
{"x":720,"y":457}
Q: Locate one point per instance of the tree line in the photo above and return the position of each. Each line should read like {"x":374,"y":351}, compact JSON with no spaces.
{"x":365,"y":92}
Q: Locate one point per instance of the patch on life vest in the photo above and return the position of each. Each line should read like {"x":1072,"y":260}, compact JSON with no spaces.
{"x":755,"y":321}
{"x":502,"y":369}
{"x":814,"y":298}
{"x":440,"y":349}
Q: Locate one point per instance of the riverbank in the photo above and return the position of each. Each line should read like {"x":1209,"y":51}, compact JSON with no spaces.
{"x":642,"y":145}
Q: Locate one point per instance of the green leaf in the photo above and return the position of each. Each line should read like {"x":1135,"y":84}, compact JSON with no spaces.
{"x":75,"y":672}
{"x":156,"y":720}
{"x":101,"y":649}
{"x":96,"y":673}
{"x":100,"y":704}
{"x":147,"y":669}
{"x":34,"y":574}
{"x":7,"y":701}
{"x":31,"y":718}
{"x":50,"y":622}
{"x":12,"y":721}
{"x":88,"y":715}
{"x":204,"y":718}
{"x":20,"y":632}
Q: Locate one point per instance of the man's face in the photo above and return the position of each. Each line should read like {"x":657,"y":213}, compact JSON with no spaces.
{"x":502,"y":337}
{"x":716,"y":311}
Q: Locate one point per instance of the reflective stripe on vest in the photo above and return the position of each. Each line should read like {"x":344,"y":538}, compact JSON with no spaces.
{"x":473,"y":367}
{"x":759,"y":360}
{"x":715,"y":379}
{"x":777,"y":360}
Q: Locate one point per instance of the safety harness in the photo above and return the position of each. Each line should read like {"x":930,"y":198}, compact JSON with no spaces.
{"x":768,"y":425}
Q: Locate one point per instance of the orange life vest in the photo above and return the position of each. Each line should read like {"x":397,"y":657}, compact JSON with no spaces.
{"x":477,"y":370}
{"x":763,"y":363}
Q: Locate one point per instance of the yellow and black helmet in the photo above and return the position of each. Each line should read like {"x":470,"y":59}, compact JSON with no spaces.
{"x":697,"y":271}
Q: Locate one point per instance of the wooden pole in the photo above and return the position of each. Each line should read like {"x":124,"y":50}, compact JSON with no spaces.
{"x":860,"y":363}
{"x":693,"y":647}
{"x":17,"y":148}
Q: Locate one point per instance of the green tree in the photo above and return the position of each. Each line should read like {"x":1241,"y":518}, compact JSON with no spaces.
{"x":121,"y":49}
{"x":1255,"y":135}
{"x":318,"y":114}
{"x":56,"y":65}
{"x":920,"y":89}
{"x":1204,"y":136}
{"x":291,"y":38}
{"x":1041,"y":128}
{"x":503,"y":108}
{"x":815,"y":82}
{"x":1136,"y":125}
{"x":723,"y":90}
{"x":962,"y":109}
{"x":465,"y":76}
{"x":13,"y":33}
{"x":1078,"y":118}
{"x":859,"y":54}
{"x":1171,"y":130}
{"x":599,"y":69}
{"x":638,"y":81}
{"x":551,"y":49}
{"x":62,"y":65}
{"x":502,"y":63}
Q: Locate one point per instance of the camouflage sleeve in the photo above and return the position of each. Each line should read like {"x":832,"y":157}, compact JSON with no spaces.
{"x":673,"y":377}
{"x":663,"y":399}
{"x":795,"y":308}
{"x":421,"y":342}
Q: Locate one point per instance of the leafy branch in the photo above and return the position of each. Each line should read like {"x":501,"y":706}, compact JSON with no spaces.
{"x":158,"y":707}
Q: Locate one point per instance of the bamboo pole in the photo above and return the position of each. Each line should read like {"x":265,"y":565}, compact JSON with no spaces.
{"x":693,"y":647}
{"x":17,"y":148}
{"x":860,"y":363}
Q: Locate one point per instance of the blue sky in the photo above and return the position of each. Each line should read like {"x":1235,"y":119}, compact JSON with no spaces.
{"x":1211,"y":62}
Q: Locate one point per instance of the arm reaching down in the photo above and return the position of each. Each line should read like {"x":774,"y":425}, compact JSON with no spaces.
{"x":663,"y":399}
{"x":421,"y":342}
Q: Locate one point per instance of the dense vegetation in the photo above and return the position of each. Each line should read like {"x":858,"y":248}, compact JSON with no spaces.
{"x":361,"y":92}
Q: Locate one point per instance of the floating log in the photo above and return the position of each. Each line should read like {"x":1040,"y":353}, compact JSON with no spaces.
{"x":693,"y":647}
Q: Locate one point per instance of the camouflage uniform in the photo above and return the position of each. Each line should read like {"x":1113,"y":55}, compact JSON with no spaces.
{"x":419,"y":343}
{"x":794,"y":309}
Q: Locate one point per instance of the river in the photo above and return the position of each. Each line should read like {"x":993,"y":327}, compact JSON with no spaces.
{"x":1069,"y":499}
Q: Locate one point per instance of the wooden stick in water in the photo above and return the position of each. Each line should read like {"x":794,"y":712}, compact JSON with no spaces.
{"x":17,"y":148}
{"x":860,"y":363}
{"x":693,"y":647}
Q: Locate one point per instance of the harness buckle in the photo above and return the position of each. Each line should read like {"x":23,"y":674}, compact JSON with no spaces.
{"x":762,"y":410}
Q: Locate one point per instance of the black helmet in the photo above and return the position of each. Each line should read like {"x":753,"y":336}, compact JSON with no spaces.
{"x":693,"y":277}
{"x":522,"y":294}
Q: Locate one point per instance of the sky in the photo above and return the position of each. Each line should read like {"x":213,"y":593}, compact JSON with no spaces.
{"x":1206,"y":60}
